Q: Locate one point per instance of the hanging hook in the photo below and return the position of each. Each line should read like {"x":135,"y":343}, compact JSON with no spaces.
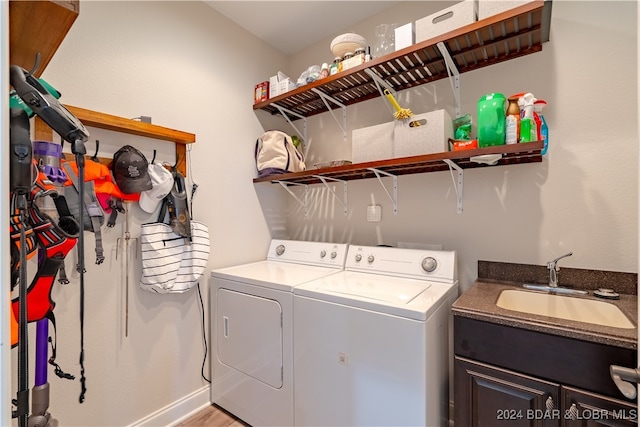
{"x":175,"y":167}
{"x":36,"y":65}
{"x":154,"y":157}
{"x":95,"y":155}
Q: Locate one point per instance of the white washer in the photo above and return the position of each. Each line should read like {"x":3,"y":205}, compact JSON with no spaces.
{"x":372,"y":343}
{"x":251,"y":324}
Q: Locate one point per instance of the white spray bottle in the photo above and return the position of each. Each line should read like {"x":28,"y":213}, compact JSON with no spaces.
{"x":528,"y":129}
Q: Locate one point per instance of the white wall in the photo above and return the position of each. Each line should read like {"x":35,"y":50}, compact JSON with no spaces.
{"x":191,"y":69}
{"x":581,"y":198}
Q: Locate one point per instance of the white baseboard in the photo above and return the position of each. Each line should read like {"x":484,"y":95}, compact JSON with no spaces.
{"x":177,"y":411}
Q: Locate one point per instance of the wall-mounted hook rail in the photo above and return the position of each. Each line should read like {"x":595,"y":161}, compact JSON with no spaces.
{"x":458,"y":185}
{"x":305,"y":203}
{"x":286,"y":113}
{"x":344,"y":185}
{"x":394,"y":197}
{"x":454,"y":75}
{"x":326,"y":99}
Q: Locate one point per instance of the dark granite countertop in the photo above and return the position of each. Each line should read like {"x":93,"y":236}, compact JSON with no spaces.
{"x":479,"y":302}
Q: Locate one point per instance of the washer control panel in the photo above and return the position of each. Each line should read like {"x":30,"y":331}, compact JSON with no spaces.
{"x":417,"y":263}
{"x":314,"y":253}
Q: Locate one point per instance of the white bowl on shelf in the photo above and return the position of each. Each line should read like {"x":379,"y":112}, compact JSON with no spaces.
{"x":347,"y":42}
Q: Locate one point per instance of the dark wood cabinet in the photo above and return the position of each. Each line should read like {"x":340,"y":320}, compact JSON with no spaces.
{"x":486,"y":395}
{"x":490,"y":396}
{"x":509,"y":376}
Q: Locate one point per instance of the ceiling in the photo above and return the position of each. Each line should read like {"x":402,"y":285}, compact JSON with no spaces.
{"x":290,"y":26}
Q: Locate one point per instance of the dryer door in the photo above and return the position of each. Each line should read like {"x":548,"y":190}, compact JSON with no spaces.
{"x":249,"y":331}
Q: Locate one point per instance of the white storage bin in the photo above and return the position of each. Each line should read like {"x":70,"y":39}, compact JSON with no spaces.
{"x":398,"y":139}
{"x":487,"y":8}
{"x":404,"y":36}
{"x":449,"y":19}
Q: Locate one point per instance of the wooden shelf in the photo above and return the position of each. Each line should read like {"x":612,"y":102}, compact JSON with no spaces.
{"x":38,"y":27}
{"x":511,"y":34}
{"x":133,"y":127}
{"x":529,"y":152}
{"x":128,"y":126}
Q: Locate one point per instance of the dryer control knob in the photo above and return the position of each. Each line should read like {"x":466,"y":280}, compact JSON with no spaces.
{"x":358,"y":258}
{"x":323,"y":253}
{"x":429,"y":264}
{"x":279,"y":250}
{"x":334,"y":254}
{"x":370,"y":259}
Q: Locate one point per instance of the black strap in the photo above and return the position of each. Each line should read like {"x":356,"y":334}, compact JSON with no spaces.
{"x":116,"y":207}
{"x":52,"y":360}
{"x":163,"y":210}
{"x":22,"y":411}
{"x":81,"y":271}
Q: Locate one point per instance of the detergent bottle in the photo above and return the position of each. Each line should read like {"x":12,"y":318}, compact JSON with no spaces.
{"x":528,"y":129}
{"x":544,"y":130}
{"x":491,"y":120}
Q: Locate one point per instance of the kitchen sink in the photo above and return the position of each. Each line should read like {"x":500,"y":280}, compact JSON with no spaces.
{"x":564,"y":307}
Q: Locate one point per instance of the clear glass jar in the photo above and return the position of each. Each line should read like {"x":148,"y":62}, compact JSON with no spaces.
{"x":336,"y":66}
{"x":385,"y":40}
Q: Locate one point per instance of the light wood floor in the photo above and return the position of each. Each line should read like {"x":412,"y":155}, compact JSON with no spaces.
{"x":212,"y":416}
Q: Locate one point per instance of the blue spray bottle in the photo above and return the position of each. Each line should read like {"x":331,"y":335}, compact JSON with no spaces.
{"x":544,"y":130}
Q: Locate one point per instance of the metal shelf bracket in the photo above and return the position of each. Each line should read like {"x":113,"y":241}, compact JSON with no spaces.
{"x":286,"y":113}
{"x":343,"y":201}
{"x":326,"y":99}
{"x":394,"y":197}
{"x":381,"y":85}
{"x":459,"y":183}
{"x":454,"y":75}
{"x":305,"y":203}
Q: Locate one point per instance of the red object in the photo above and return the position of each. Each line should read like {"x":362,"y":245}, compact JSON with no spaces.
{"x":460,"y":145}
{"x":261,"y":92}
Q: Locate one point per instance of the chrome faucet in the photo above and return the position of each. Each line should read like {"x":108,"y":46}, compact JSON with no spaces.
{"x":553,"y":280}
{"x":553,"y":270}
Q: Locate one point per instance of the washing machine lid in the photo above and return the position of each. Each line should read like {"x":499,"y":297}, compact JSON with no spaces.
{"x":277,"y":275}
{"x":410,"y":298}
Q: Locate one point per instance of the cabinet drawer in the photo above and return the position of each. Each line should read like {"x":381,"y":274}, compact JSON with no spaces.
{"x":584,"y":409}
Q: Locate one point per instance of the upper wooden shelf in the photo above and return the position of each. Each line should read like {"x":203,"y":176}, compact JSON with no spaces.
{"x":511,"y":34}
{"x":529,"y":152}
{"x":134,"y":127}
{"x":130,"y":126}
{"x":38,"y":27}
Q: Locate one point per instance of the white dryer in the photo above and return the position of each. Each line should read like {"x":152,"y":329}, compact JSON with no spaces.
{"x":251,"y":324}
{"x":372,"y":343}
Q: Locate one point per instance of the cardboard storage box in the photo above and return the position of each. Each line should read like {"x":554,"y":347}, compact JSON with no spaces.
{"x":449,"y":19}
{"x":487,"y":8}
{"x":273,"y":86}
{"x":398,"y":139}
{"x":286,"y":85}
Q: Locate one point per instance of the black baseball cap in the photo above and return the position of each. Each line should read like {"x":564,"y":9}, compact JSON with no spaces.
{"x":130,"y":170}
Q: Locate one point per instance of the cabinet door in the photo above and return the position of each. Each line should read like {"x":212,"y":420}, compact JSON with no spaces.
{"x":585,"y":409}
{"x":488,"y":396}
